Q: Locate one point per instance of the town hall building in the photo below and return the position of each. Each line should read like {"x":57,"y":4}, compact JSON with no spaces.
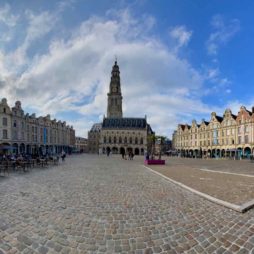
{"x":118,"y":134}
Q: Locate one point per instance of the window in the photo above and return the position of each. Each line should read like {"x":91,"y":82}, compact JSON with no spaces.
{"x":105,"y":140}
{"x":125,"y":140}
{"x":136,"y":140}
{"x":114,"y":140}
{"x":246,"y":139}
{"x":141,"y":141}
{"x":5,"y":134}
{"x":4,"y":121}
{"x":239,"y":130}
{"x":120,"y":140}
{"x":246,"y":128}
{"x":14,"y":123}
{"x":239,"y":140}
{"x":4,"y":110}
{"x":109,"y":140}
{"x":130,"y":140}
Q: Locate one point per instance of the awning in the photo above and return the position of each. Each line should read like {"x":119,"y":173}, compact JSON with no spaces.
{"x":5,"y":147}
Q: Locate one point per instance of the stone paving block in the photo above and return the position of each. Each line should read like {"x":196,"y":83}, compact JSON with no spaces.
{"x":94,"y":204}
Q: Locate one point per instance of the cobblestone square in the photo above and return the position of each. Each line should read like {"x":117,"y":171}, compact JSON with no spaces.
{"x":228,"y":180}
{"x":99,"y":204}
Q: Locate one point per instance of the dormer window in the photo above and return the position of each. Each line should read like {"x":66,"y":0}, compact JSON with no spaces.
{"x":4,"y":110}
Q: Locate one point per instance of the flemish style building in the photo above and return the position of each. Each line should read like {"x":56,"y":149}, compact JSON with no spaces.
{"x":24,"y":133}
{"x":227,"y":136}
{"x":118,"y":134}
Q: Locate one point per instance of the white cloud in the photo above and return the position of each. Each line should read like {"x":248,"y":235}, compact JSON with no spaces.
{"x":222,"y":33}
{"x":181,"y":34}
{"x":74,"y":74}
{"x":6,"y":17}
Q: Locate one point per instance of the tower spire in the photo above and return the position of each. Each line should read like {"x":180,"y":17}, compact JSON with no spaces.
{"x":114,"y":109}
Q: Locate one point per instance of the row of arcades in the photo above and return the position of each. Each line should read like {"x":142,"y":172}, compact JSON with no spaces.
{"x":123,"y":150}
{"x":239,"y":152}
{"x":15,"y":148}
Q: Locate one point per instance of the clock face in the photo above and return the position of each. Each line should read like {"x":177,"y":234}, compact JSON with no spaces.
{"x":114,"y":89}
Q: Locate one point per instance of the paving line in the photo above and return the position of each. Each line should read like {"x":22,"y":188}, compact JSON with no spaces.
{"x":222,"y":172}
{"x":238,"y":208}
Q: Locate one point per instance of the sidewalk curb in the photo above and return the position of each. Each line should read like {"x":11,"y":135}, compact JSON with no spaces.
{"x":238,"y":208}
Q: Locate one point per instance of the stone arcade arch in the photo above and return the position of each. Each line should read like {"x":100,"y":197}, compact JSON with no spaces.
{"x":129,"y":150}
{"x":122,"y":150}
{"x":247,"y":152}
{"x":115,"y":150}
{"x":108,"y":150}
{"x":136,"y":151}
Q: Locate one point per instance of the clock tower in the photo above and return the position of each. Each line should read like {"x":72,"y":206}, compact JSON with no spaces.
{"x":115,"y":96}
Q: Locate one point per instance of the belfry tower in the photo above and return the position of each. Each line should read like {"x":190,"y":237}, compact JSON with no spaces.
{"x":114,"y":109}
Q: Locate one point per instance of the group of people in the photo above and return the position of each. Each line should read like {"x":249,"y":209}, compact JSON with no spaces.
{"x":130,"y":155}
{"x":27,"y":157}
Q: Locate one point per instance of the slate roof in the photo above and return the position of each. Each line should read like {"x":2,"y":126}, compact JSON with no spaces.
{"x":96,"y":127}
{"x":122,"y":123}
{"x":219,"y":118}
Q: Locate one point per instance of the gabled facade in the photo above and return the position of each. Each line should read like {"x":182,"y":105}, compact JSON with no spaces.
{"x":227,"y":136}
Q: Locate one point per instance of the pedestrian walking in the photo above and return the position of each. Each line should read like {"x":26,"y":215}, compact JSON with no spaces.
{"x":63,"y":155}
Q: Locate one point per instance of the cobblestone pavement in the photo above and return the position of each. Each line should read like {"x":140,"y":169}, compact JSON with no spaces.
{"x":226,"y":165}
{"x":93,"y":204}
{"x":236,"y":189}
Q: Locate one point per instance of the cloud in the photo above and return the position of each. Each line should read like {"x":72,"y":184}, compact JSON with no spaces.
{"x":6,"y":17}
{"x":223,"y":32}
{"x":73,"y":74}
{"x":181,"y":34}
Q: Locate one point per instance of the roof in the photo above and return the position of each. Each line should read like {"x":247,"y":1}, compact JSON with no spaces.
{"x":234,"y":116}
{"x":219,"y":118}
{"x":121,"y":123}
{"x":96,"y":127}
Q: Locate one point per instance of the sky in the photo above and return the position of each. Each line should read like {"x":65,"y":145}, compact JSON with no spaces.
{"x":179,"y":60}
